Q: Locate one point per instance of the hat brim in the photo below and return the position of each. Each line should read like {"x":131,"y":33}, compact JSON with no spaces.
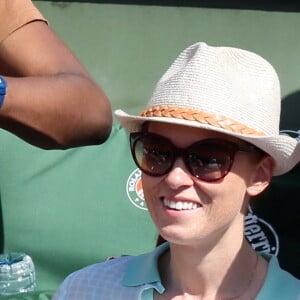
{"x":283,"y":149}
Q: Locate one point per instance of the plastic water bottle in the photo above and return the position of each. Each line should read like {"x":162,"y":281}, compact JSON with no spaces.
{"x":17,"y":274}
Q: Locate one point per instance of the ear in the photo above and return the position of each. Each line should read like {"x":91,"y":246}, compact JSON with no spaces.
{"x":261,"y":177}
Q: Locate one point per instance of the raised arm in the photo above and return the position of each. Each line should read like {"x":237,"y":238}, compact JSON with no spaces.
{"x":51,"y":100}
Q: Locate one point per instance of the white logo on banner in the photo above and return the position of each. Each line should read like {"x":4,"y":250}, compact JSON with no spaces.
{"x":292,"y":133}
{"x":134,"y":189}
{"x":260,"y":234}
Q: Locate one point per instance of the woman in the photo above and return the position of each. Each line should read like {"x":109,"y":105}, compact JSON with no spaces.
{"x":207,"y":142}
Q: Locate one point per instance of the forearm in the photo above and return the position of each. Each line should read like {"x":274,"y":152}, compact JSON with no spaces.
{"x":56,"y":111}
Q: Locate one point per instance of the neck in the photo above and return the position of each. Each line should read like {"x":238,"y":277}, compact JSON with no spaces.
{"x":218,"y":273}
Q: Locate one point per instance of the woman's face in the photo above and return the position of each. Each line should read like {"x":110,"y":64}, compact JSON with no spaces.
{"x":203,"y":210}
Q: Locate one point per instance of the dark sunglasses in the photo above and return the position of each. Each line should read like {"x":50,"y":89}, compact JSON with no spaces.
{"x":207,"y":160}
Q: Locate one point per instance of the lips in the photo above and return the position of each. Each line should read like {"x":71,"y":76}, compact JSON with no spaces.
{"x":180,"y":205}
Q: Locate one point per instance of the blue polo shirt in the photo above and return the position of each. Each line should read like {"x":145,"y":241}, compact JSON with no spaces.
{"x":136,"y":277}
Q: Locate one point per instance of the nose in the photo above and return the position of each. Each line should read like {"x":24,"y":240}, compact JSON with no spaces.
{"x":179,"y":176}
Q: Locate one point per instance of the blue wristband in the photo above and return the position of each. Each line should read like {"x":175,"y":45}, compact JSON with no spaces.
{"x":3,"y":86}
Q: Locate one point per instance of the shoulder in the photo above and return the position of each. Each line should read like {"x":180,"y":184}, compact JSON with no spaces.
{"x":122,"y":278}
{"x":279,"y":284}
{"x":16,"y":13}
{"x":104,"y":272}
{"x":95,"y":281}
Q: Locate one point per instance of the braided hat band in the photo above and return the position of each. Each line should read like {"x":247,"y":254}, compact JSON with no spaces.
{"x":199,"y":116}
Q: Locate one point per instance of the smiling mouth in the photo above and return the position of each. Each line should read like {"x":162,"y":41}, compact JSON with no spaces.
{"x":180,"y":205}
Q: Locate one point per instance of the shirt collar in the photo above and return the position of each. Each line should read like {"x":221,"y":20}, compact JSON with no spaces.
{"x":143,"y":269}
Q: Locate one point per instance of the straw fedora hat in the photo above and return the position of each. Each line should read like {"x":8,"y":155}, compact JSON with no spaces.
{"x":224,"y":89}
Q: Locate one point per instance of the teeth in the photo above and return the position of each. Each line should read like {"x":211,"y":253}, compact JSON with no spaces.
{"x":179,"y":205}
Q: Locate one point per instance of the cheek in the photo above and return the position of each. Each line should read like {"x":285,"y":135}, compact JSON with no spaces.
{"x":244,"y":167}
{"x":150,"y":187}
{"x":147,"y":182}
{"x":235,"y":194}
{"x":226,"y":198}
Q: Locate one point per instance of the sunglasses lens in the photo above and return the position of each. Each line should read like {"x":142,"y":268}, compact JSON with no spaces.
{"x":152,"y":154}
{"x":209,"y":161}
